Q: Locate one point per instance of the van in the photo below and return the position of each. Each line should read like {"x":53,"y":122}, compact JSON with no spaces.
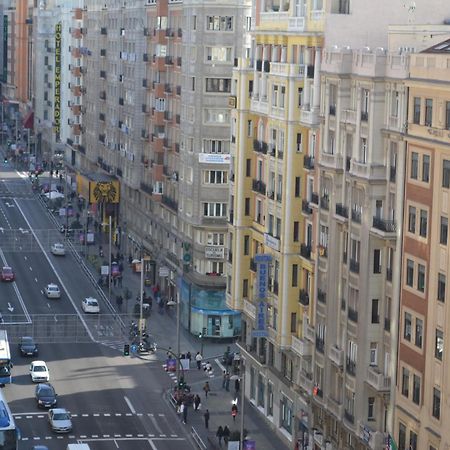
{"x":77,"y":447}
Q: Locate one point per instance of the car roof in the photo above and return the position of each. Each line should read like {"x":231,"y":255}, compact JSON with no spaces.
{"x":89,"y":299}
{"x":52,"y":285}
{"x":39,"y":363}
{"x":6,"y":268}
{"x":58,"y":244}
{"x":26,"y":337}
{"x":59,"y":410}
{"x":44,"y":385}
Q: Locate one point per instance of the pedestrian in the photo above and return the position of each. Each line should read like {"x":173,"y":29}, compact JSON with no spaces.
{"x":234,"y":411}
{"x":208,"y":367}
{"x":237,"y":386}
{"x":224,"y":379}
{"x":185,"y":412}
{"x":227,"y":382}
{"x":226,"y":434}
{"x":198,"y":359}
{"x":197,"y":402}
{"x":169,"y":353}
{"x":206,"y":417}
{"x":219,"y":434}
{"x":114,"y":281}
{"x":119,"y":301}
{"x":206,"y":388}
{"x":130,"y":259}
{"x":119,"y":280}
{"x":189,"y":357}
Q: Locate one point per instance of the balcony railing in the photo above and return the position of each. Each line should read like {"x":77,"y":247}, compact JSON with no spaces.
{"x":259,"y":186}
{"x":393,"y":174}
{"x":321,"y":296}
{"x":305,"y":207}
{"x":388,"y":226}
{"x":325,"y":202}
{"x":349,"y":417}
{"x":320,"y":344}
{"x":351,"y":366}
{"x":332,"y":110}
{"x":387,"y":324}
{"x":260,"y":146}
{"x":356,"y":216}
{"x":341,"y":210}
{"x":364,"y":116}
{"x":252,"y":265}
{"x":170,"y":202}
{"x":315,"y":198}
{"x":352,"y":314}
{"x":354,"y":265}
{"x":308,"y":162}
{"x":305,"y":251}
{"x":303,"y":297}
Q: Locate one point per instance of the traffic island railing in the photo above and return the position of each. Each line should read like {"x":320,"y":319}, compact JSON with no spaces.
{"x":197,"y":439}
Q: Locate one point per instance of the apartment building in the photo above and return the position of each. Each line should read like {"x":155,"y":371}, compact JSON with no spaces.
{"x":274,"y":142}
{"x":422,"y":411}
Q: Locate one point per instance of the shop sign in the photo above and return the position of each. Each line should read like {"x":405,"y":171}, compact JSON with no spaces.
{"x":214,"y":158}
{"x":163,"y":271}
{"x":214,"y":252}
{"x":272,"y":242}
{"x":262,"y":275}
{"x":57,"y":76}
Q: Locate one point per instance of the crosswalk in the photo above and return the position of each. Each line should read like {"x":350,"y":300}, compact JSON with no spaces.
{"x":173,"y":376}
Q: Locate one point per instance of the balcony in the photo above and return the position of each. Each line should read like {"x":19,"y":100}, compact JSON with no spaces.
{"x":259,"y":186}
{"x":383,"y":227}
{"x":301,"y":346}
{"x":392,"y":174}
{"x":325,"y":202}
{"x":308,"y":162}
{"x":321,"y":296}
{"x":309,"y":332}
{"x":349,"y":417}
{"x":335,"y":407}
{"x":350,"y":366}
{"x":354,"y":265}
{"x":315,"y":198}
{"x":169,"y":202}
{"x":303,"y":297}
{"x":253,"y":265}
{"x":305,"y":381}
{"x":356,"y":216}
{"x":378,"y":380}
{"x":260,"y":146}
{"x":364,"y":116}
{"x":146,"y":188}
{"x":352,"y":314}
{"x":341,"y":210}
{"x":305,"y":251}
{"x":249,"y":309}
{"x":320,"y":344}
{"x":387,"y":324}
{"x":336,"y":355}
{"x":306,"y":208}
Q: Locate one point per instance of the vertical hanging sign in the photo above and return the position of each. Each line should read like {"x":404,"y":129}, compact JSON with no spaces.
{"x":262,"y":280}
{"x":57,"y":93}
{"x":5,"y":49}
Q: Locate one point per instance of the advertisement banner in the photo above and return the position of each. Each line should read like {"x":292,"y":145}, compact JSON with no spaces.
{"x":57,"y":92}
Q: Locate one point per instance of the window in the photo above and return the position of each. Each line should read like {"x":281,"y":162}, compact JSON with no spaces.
{"x":412,"y":440}
{"x":275,"y":95}
{"x":215,"y":239}
{"x":439,"y":344}
{"x":407,"y":324}
{"x":420,"y":277}
{"x":412,"y":219}
{"x":245,"y":288}
{"x":219,"y":23}
{"x":416,"y":389}
{"x":423,"y":223}
{"x":246,"y":245}
{"x":247,"y":206}
{"x":294,"y":275}
{"x":248,"y":167}
{"x":410,"y":273}
{"x":218,"y":85}
{"x":375,"y":313}
{"x":192,"y":83}
{"x":401,"y":437}
{"x":444,"y":230}
{"x":293,"y":322}
{"x":441,"y":287}
{"x":414,"y":165}
{"x":297,"y":186}
{"x":363,"y":155}
{"x":446,"y":173}
{"x":419,"y":333}
{"x":215,"y":209}
{"x":286,"y":410}
{"x":447,"y":115}
{"x":370,"y":408}
{"x":269,"y":399}
{"x":426,"y":168}
{"x":377,"y":261}
{"x":296,"y":232}
{"x":405,"y":382}
{"x":219,"y":54}
{"x":216,"y":146}
{"x":215,"y":177}
{"x":282,"y":96}
{"x":373,"y":354}
{"x":219,"y":116}
{"x":428,"y":112}
{"x":436,"y":403}
{"x":416,"y":116}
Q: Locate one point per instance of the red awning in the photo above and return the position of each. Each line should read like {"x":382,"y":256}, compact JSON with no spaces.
{"x":29,"y":120}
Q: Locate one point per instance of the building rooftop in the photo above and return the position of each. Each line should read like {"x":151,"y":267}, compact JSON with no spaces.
{"x":441,"y":47}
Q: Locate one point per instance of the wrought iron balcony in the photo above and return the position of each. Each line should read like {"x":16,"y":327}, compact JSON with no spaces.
{"x":308,"y":162}
{"x":305,"y":207}
{"x":252,"y":265}
{"x":259,"y":186}
{"x":389,"y":274}
{"x":354,"y":265}
{"x":315,"y":198}
{"x":350,"y":366}
{"x":305,"y":251}
{"x":364,"y":116}
{"x":341,"y":210}
{"x":324,"y":202}
{"x":349,"y":417}
{"x":320,"y":344}
{"x":303,"y":297}
{"x":169,"y":202}
{"x":352,"y":314}
{"x":393,"y":174}
{"x":388,"y":226}
{"x":260,"y":146}
{"x":321,"y":296}
{"x":356,"y":216}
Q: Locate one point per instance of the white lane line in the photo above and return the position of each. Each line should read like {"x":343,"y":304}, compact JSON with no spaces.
{"x":155,"y":424}
{"x":130,"y":405}
{"x":152,"y":444}
{"x":96,"y":415}
{"x":41,"y":416}
{"x":118,"y":414}
{"x":222,"y":368}
{"x":36,"y":280}
{"x":83,"y":436}
{"x":107,"y":415}
{"x":75,"y":307}
{"x":84,"y":415}
{"x":117,"y":445}
{"x":95,"y":436}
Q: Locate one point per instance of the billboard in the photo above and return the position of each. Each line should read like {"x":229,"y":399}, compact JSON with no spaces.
{"x":57,"y":93}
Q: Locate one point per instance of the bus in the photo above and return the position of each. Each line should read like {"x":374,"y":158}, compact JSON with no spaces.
{"x":5,"y":359}
{"x":9,"y":433}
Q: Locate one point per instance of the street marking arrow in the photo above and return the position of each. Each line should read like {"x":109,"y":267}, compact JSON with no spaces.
{"x":10,"y":308}
{"x":2,"y":230}
{"x":9,"y":205}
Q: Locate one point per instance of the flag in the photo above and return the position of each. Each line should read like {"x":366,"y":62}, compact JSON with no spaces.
{"x":390,"y":443}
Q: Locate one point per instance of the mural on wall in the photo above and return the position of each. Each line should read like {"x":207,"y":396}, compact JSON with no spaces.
{"x":104,"y":192}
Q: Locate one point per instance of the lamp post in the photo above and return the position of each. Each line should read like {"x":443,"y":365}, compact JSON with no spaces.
{"x":110,"y":262}
{"x":141,"y":303}
{"x":242,"y":387}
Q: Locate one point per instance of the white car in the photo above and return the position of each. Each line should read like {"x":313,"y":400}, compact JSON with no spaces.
{"x":52,"y":291}
{"x":39,"y":372}
{"x":90,"y":305}
{"x":58,"y":249}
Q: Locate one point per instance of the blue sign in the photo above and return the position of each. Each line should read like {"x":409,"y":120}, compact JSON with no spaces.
{"x":249,"y":445}
{"x":133,"y":348}
{"x":262,"y":275}
{"x":261,"y":320}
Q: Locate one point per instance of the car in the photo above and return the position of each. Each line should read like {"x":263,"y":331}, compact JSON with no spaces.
{"x":90,"y":305}
{"x":52,"y":291}
{"x":7,"y":274}
{"x":45,"y":395}
{"x":39,"y":372}
{"x":60,"y":420}
{"x":27,"y":346}
{"x":58,"y":249}
{"x":39,"y":447}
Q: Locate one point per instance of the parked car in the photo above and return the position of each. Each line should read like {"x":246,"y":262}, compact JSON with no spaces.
{"x":45,"y":395}
{"x":90,"y":305}
{"x":60,"y":420}
{"x":39,"y":372}
{"x":52,"y":291}
{"x":7,"y":274}
{"x":27,"y":346}
{"x":58,"y":249}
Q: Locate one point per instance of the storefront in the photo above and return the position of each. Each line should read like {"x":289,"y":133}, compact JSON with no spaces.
{"x":204,"y":310}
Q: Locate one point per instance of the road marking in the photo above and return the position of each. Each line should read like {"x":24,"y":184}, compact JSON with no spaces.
{"x":84,"y":415}
{"x":95,"y":436}
{"x":107,"y":415}
{"x":118,"y":414}
{"x":83,"y":436}
{"x":152,"y":418}
{"x":36,"y":280}
{"x":96,"y":415}
{"x":130,"y":405}
{"x":31,"y":269}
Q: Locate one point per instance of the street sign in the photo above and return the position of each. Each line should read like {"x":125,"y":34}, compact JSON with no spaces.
{"x":163,"y":271}
{"x":134,"y":348}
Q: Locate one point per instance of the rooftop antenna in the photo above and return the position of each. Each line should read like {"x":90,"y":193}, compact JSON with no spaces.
{"x":411,"y":9}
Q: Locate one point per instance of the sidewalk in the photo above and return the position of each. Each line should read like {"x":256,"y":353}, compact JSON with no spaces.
{"x":162,"y":328}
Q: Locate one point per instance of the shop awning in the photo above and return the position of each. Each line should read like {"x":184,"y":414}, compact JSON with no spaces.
{"x":29,"y":120}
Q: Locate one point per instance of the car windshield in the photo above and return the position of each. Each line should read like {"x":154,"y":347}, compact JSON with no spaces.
{"x":53,"y":288}
{"x":48,"y":392}
{"x":61,"y":416}
{"x":7,"y":270}
{"x":27,"y":341}
{"x":40,"y":368}
{"x":92,"y":302}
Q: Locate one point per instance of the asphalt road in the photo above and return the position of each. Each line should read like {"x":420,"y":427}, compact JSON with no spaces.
{"x":115,"y":401}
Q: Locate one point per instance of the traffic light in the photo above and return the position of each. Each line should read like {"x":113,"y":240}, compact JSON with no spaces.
{"x":126,"y":350}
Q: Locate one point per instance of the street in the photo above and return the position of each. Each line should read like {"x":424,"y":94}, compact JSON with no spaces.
{"x":115,"y":401}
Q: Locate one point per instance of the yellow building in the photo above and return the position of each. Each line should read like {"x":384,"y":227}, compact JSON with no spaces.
{"x":274,"y":136}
